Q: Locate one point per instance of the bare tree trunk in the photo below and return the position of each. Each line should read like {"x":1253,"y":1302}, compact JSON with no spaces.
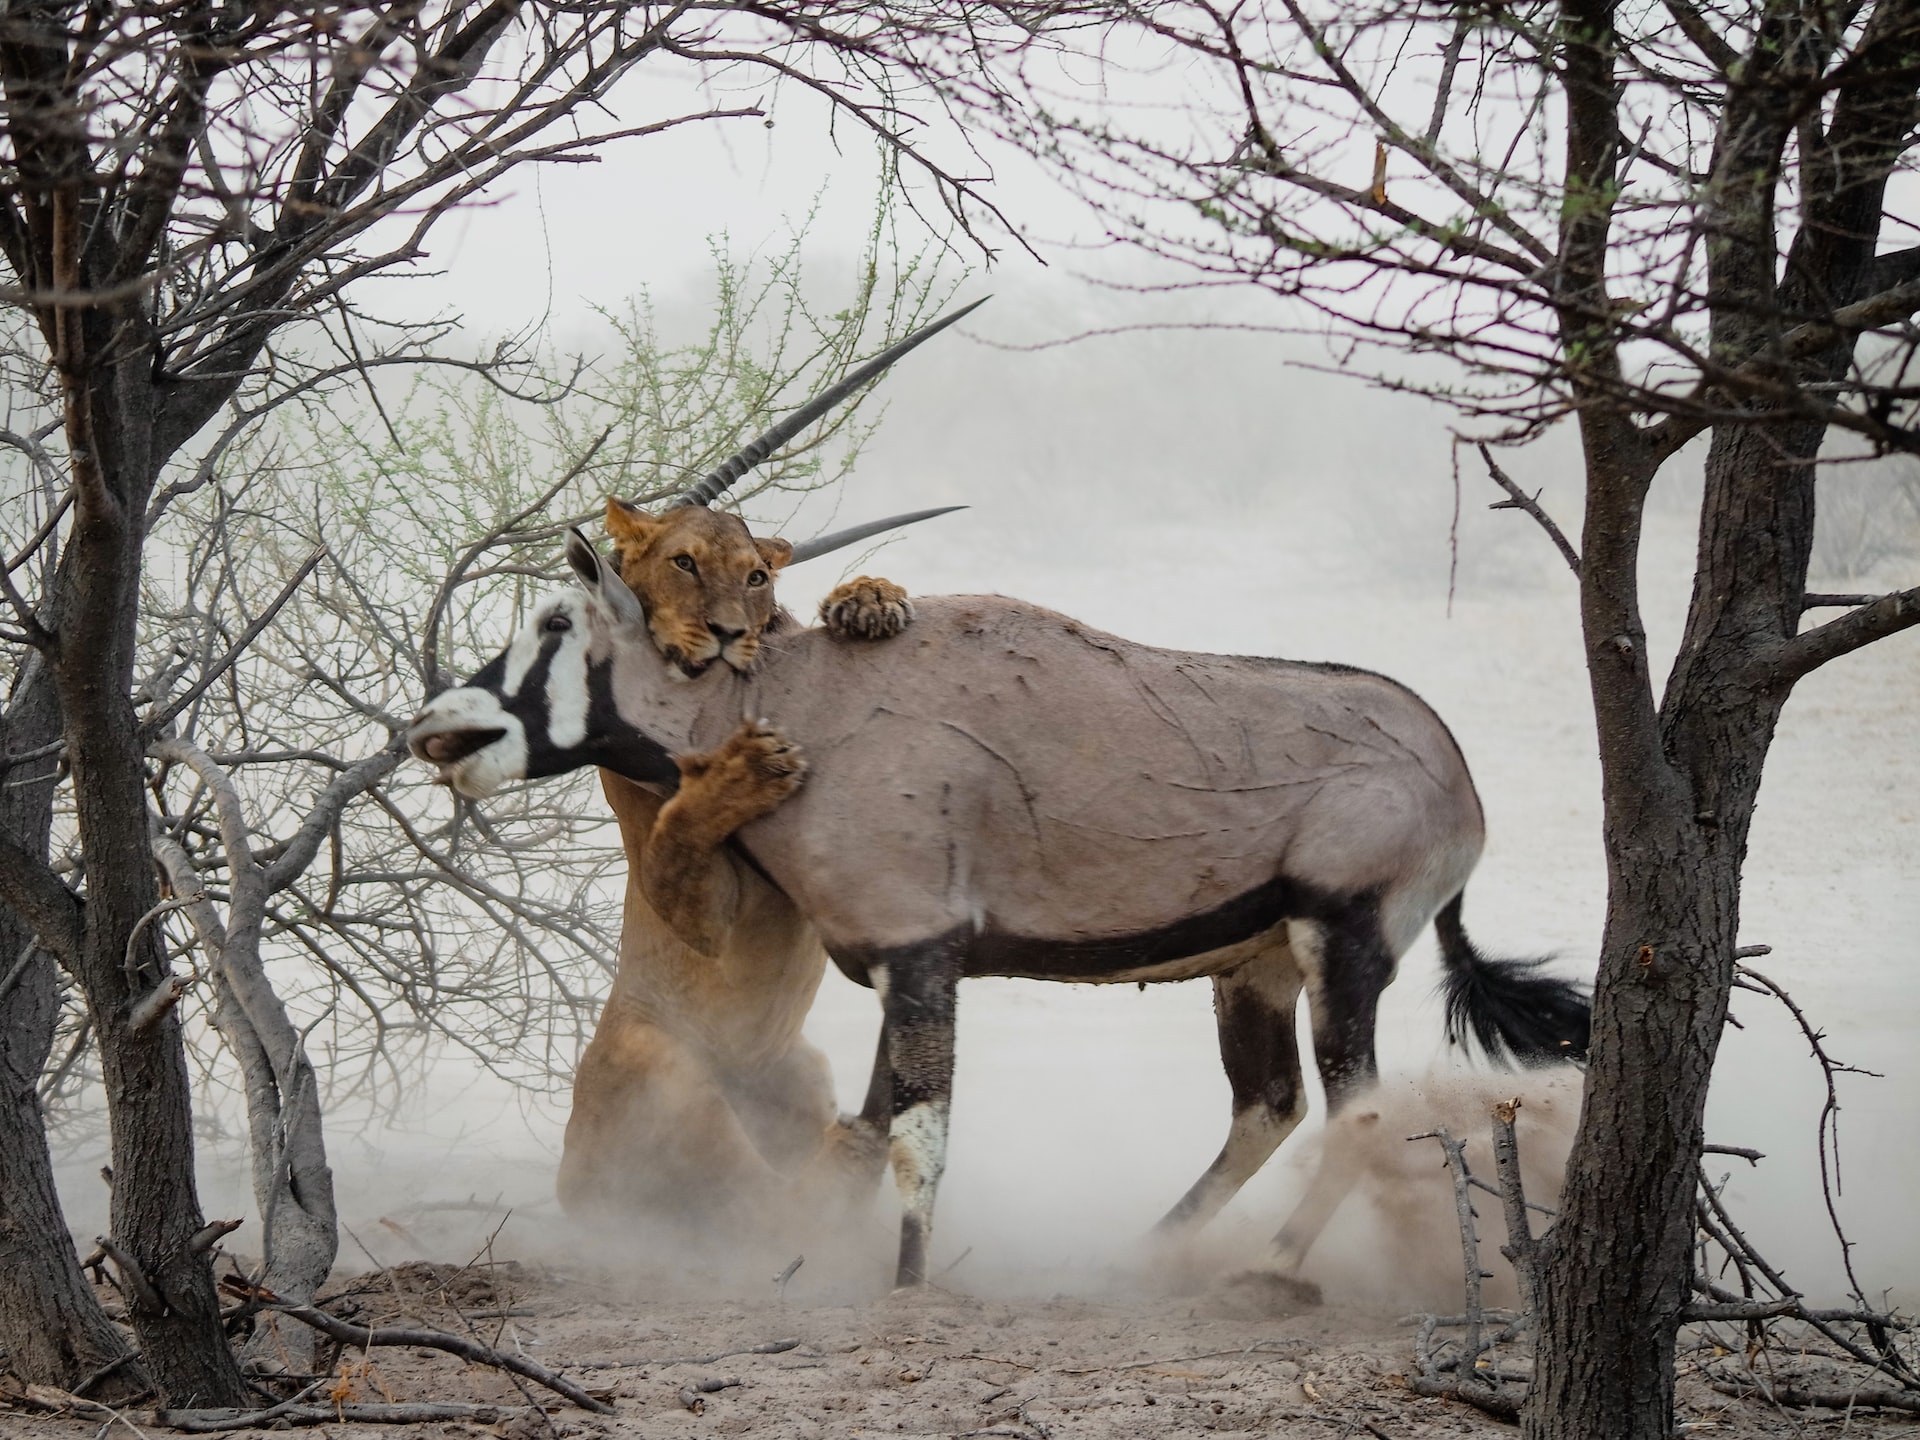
{"x":292,"y":1183}
{"x":118,"y":958}
{"x":51,"y":1327}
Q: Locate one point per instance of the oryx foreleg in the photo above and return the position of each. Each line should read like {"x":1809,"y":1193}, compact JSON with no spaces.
{"x":918,"y":985}
{"x":1253,"y":1007}
{"x":1346,"y":963}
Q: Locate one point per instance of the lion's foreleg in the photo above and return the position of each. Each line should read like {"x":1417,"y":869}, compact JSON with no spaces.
{"x":689,"y":885}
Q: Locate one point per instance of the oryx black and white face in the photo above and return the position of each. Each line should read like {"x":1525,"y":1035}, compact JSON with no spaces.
{"x":546,"y":704}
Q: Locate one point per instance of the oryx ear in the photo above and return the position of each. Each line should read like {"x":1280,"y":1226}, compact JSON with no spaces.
{"x":601,"y":579}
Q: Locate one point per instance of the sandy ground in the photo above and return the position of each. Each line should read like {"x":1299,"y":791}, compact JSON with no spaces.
{"x":944,"y":1362}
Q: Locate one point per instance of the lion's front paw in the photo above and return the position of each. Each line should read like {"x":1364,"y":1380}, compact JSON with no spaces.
{"x":866,"y":608}
{"x":750,"y":774}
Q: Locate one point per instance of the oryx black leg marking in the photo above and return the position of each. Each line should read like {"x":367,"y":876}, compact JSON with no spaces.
{"x":1253,"y":1007}
{"x":918,"y":985}
{"x":878,"y":1107}
{"x":1345,"y":962}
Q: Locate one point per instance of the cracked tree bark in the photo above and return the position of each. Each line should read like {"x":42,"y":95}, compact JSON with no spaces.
{"x":52,"y":1329}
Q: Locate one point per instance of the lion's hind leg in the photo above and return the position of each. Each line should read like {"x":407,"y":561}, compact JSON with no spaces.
{"x":652,"y":1132}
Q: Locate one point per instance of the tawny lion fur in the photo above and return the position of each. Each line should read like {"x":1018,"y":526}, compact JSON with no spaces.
{"x":698,"y":1097}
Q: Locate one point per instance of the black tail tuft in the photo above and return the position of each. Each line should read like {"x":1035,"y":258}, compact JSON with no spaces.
{"x":1514,"y":1013}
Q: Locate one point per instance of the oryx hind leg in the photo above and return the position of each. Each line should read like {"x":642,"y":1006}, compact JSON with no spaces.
{"x":1253,"y":1007}
{"x":918,"y":986}
{"x":1345,"y":962}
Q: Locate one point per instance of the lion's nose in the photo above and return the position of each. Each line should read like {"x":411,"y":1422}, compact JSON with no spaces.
{"x":724,"y":635}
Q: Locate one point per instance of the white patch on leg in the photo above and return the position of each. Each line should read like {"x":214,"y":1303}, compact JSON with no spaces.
{"x":1307,"y":939}
{"x":917,"y":1146}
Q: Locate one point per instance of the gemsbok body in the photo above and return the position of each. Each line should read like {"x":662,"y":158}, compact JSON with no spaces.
{"x":1003,"y":791}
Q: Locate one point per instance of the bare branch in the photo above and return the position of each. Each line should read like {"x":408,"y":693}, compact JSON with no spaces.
{"x":1520,"y":500}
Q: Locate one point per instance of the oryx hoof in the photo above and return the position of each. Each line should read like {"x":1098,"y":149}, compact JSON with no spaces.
{"x":866,"y":608}
{"x":1263,"y":1295}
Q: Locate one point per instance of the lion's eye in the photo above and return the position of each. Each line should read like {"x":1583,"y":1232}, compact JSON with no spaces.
{"x":757,"y":579}
{"x":685,"y":562}
{"x":557,"y":625}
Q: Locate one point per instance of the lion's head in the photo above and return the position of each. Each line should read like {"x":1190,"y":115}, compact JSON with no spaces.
{"x":706,"y":584}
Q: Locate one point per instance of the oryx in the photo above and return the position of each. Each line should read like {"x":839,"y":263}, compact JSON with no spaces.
{"x":1003,"y":791}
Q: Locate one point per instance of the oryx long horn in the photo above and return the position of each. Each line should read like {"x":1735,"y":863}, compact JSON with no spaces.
{"x":839,"y":539}
{"x":717,"y":483}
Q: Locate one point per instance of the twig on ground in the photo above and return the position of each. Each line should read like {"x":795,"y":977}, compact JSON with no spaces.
{"x":364,"y":1338}
{"x":1259,"y":1347}
{"x":694,"y":1396}
{"x":771,"y":1347}
{"x":207,"y":1422}
{"x":104,"y":1371}
{"x":1502,"y":1403}
{"x":1835,"y":1399}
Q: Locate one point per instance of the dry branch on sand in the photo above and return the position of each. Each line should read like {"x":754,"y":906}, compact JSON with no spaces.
{"x":365,"y":1337}
{"x":1469,"y":1369}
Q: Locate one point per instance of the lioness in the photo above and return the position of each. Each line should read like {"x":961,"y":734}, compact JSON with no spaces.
{"x":698,"y":1097}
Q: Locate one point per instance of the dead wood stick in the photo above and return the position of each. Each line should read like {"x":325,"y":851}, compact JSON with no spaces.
{"x":1518,"y":499}
{"x":1729,"y":1306}
{"x":1752,"y":1157}
{"x":770,"y":1347}
{"x":210,"y":1234}
{"x":1520,"y":1248}
{"x":133,"y":1279}
{"x":1259,"y":1347}
{"x":104,"y":1371}
{"x":1748,"y":1255}
{"x":207,"y":1422}
{"x":157,"y":1002}
{"x":1469,"y":1237}
{"x":1000,"y":1360}
{"x":1830,"y":1399}
{"x":694,"y":1396}
{"x":1494,"y":1190}
{"x":1501,"y":1403}
{"x":363,"y":1338}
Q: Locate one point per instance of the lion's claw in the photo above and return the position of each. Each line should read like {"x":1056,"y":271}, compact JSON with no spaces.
{"x":866,"y":608}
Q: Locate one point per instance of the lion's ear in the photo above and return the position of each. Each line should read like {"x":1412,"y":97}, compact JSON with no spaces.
{"x":629,"y":525}
{"x":773,"y":553}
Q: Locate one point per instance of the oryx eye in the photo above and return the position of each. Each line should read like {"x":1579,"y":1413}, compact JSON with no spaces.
{"x":557,"y":624}
{"x":757,"y":579}
{"x":685,"y":562}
